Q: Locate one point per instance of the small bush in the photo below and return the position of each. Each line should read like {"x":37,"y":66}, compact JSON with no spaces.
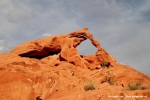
{"x":89,"y":87}
{"x":110,"y":80}
{"x":137,"y":86}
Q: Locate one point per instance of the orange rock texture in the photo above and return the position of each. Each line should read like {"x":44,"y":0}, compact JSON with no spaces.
{"x":52,"y":69}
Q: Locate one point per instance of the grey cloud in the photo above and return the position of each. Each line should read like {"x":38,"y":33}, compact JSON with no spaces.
{"x":15,"y":11}
{"x":4,"y":46}
{"x":98,"y":11}
{"x":86,"y":48}
{"x":145,"y":12}
{"x":46,"y":35}
{"x":6,"y":28}
{"x":146,"y":15}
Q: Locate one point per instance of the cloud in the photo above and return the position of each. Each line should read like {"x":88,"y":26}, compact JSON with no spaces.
{"x":46,"y":35}
{"x":1,"y":47}
{"x":15,"y":11}
{"x":97,"y":10}
{"x":4,"y":46}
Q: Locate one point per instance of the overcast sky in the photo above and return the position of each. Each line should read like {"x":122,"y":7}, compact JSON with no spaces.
{"x":121,"y":26}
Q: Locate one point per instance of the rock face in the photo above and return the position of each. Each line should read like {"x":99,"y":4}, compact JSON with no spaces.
{"x":52,"y":69}
{"x":65,"y":47}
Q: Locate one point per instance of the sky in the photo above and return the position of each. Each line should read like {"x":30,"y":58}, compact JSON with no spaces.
{"x":121,"y":26}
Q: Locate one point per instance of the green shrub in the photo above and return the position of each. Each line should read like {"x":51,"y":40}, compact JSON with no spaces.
{"x":89,"y":87}
{"x":137,"y":86}
{"x":111,"y":80}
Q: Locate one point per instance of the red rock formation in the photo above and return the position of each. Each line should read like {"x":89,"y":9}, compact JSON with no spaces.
{"x":52,"y":69}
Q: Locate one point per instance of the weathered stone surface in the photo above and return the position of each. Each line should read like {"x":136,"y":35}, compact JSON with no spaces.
{"x":52,"y":69}
{"x":63,"y":45}
{"x":53,"y":45}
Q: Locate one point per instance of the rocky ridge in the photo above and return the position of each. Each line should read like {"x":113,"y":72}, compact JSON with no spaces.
{"x":52,"y":69}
